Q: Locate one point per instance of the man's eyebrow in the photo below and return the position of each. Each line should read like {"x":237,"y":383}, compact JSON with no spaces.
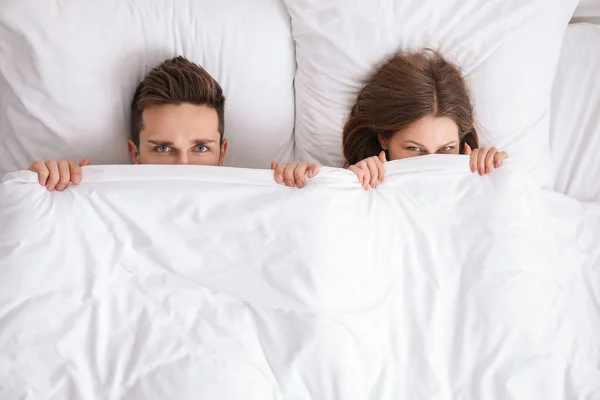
{"x":203,"y":141}
{"x":195,"y":141}
{"x":160,"y":143}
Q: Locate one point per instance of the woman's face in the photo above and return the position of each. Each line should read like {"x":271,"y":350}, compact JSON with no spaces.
{"x":429,"y":135}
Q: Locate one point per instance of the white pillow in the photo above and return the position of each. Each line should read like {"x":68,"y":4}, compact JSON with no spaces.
{"x":575,"y":114}
{"x":508,"y":51}
{"x":588,"y":8}
{"x":68,"y":70}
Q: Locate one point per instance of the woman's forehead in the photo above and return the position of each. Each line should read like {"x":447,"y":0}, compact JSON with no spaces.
{"x":430,"y":130}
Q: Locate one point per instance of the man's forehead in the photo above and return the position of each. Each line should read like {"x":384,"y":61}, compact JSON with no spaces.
{"x":179,"y":136}
{"x":180,"y":122}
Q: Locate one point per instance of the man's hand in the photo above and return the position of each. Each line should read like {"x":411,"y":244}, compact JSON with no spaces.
{"x":57,"y":174}
{"x":294,"y":174}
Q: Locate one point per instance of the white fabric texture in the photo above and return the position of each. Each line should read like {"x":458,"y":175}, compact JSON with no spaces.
{"x":575,"y":114}
{"x":588,"y":8}
{"x":508,"y":51}
{"x":179,"y":282}
{"x":68,"y":70}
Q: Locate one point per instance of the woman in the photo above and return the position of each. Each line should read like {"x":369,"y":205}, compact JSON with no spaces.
{"x":416,"y":103}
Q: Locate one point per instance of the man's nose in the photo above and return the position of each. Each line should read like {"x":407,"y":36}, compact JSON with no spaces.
{"x":183,"y":158}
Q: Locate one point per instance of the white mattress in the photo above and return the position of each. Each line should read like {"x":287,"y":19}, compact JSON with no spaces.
{"x":575,"y":114}
{"x":153,"y":282}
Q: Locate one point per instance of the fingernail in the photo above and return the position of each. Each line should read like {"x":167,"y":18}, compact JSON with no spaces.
{"x":299,"y":183}
{"x":480,"y":171}
{"x":51,"y":187}
{"x":278,"y":178}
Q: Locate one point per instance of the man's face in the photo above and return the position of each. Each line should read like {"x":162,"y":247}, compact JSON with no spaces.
{"x":179,"y":134}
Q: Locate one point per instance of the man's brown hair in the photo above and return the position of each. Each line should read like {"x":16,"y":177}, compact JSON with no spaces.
{"x":405,"y":88}
{"x":176,"y":81}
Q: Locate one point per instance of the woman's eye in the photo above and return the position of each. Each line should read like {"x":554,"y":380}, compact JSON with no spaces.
{"x":163,"y":148}
{"x":200,"y":149}
{"x":446,"y":148}
{"x":413,"y":148}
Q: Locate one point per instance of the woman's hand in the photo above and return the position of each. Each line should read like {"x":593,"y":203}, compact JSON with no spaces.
{"x":370,"y":170}
{"x":483,"y":159}
{"x":57,"y":174}
{"x":294,"y":173}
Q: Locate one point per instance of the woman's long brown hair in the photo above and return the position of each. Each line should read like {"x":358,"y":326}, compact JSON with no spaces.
{"x":405,"y":88}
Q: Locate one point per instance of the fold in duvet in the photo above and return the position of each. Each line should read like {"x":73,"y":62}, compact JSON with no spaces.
{"x":180,"y":282}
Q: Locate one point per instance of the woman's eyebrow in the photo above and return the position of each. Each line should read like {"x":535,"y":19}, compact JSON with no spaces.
{"x":413,"y":142}
{"x":449,"y":143}
{"x":420,"y":145}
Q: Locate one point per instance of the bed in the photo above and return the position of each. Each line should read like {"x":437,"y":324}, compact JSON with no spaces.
{"x":183,"y":282}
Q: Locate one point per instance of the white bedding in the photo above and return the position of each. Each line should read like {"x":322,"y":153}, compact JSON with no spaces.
{"x":68,"y":70}
{"x":575,"y":114}
{"x":507,"y":50}
{"x":153,"y":282}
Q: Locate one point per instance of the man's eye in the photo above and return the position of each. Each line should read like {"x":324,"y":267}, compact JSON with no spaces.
{"x":163,"y":148}
{"x":200,"y":149}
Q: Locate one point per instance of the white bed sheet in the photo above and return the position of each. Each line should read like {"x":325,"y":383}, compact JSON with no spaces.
{"x":154,"y":282}
{"x":575,"y":114}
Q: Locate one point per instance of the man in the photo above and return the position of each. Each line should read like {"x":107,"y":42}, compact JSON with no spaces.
{"x":177,"y":117}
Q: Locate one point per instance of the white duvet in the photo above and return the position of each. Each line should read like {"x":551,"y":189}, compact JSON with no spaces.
{"x":154,"y":282}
